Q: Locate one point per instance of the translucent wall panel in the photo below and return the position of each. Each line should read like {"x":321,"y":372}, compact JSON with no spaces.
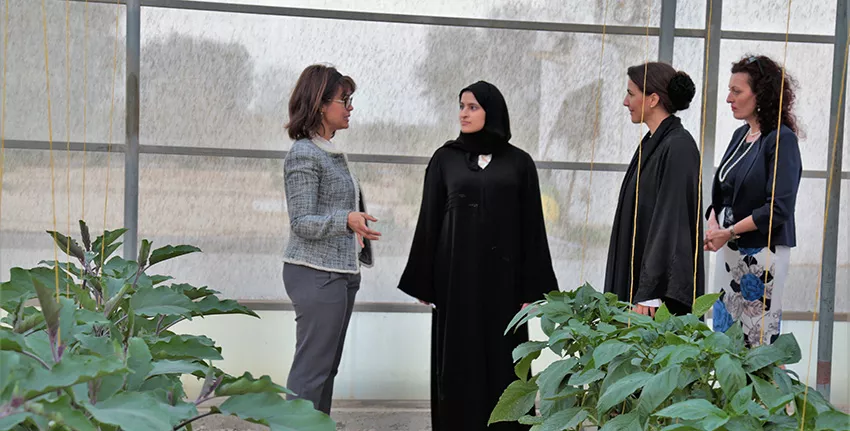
{"x":690,"y":14}
{"x":568,"y":11}
{"x":806,"y":257}
{"x":27,"y":210}
{"x":26,"y":95}
{"x":227,"y":78}
{"x":811,"y":17}
{"x":232,"y":209}
{"x":810,"y":65}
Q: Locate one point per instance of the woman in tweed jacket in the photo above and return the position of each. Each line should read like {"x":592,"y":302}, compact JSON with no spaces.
{"x":329,"y":237}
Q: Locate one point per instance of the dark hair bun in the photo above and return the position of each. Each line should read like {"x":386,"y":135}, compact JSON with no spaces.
{"x":681,"y":90}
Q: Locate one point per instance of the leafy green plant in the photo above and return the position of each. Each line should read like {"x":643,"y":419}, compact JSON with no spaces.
{"x":105,"y":357}
{"x":623,"y":371}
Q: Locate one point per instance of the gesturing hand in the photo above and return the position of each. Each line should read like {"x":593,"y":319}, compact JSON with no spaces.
{"x":357,"y":223}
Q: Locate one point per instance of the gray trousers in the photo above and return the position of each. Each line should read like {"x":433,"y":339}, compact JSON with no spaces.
{"x":323,"y":302}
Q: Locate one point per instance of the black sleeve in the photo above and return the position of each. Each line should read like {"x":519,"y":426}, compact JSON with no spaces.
{"x":668,"y":260}
{"x":417,"y":280}
{"x":538,"y":276}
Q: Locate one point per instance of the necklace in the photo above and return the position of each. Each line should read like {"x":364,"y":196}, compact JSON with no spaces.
{"x":724,"y":170}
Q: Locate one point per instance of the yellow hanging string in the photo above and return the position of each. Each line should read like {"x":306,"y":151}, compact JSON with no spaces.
{"x":593,"y":144}
{"x":3,"y":107}
{"x":85,"y":106}
{"x":775,"y":166}
{"x":640,"y":156}
{"x":109,"y":141}
{"x":50,"y":140}
{"x":697,"y":248}
{"x":829,"y":183}
{"x":68,"y":131}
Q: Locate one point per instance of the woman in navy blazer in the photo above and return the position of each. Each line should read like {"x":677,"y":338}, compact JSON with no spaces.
{"x":743,"y":196}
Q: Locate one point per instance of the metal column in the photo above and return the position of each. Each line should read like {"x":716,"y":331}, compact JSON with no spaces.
{"x":667,"y":31}
{"x":830,"y":246}
{"x":131,"y":156}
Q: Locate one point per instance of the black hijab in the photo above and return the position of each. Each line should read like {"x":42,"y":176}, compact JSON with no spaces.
{"x":496,"y":133}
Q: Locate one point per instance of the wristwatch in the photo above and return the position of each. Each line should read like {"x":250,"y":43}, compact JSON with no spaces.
{"x":732,"y":232}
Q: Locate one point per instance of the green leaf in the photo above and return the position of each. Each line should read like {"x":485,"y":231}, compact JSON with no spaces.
{"x":194,"y":292}
{"x":211,"y":305}
{"x":516,"y":401}
{"x":783,"y":351}
{"x":139,"y":362}
{"x":132,"y":411}
{"x":247,"y":384}
{"x":547,"y":325}
{"x":522,"y":368}
{"x":11,"y":421}
{"x":73,"y":369}
{"x":620,"y":390}
{"x":550,"y":379}
{"x":743,"y":423}
{"x":672,"y":355}
{"x":627,"y":422}
{"x":160,"y":300}
{"x":769,"y":394}
{"x":85,"y":234}
{"x":279,"y":415}
{"x":717,"y":342}
{"x":833,"y":421}
{"x":159,"y":279}
{"x":144,"y":253}
{"x":61,"y":412}
{"x":662,"y":314}
{"x":741,"y":399}
{"x":67,"y":245}
{"x":18,"y":288}
{"x":50,"y":308}
{"x":681,"y":427}
{"x":185,"y":347}
{"x":10,"y":341}
{"x":696,"y":409}
{"x":170,"y":252}
{"x":528,"y":347}
{"x":586,"y":377}
{"x":183,"y":366}
{"x":704,"y":303}
{"x":565,"y":419}
{"x":607,"y":351}
{"x":111,"y":237}
{"x":522,"y":317}
{"x":730,"y":374}
{"x":658,"y":389}
{"x":531,"y":420}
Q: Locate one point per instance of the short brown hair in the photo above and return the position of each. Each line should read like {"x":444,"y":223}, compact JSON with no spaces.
{"x":315,"y":87}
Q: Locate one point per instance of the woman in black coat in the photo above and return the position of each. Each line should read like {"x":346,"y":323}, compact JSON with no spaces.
{"x":479,"y":255}
{"x":651,"y":255}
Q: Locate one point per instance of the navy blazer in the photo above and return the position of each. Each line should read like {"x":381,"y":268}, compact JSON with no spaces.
{"x":754,"y":183}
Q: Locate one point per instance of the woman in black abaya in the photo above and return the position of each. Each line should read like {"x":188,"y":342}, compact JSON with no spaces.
{"x":479,"y":254}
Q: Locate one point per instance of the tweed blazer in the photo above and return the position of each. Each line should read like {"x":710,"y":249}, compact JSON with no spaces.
{"x":320,"y":193}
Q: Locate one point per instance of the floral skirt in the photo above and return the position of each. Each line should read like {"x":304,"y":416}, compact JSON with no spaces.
{"x":745,"y":296}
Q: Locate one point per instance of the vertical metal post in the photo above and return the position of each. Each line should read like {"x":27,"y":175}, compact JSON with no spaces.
{"x":714,"y":9}
{"x":131,"y":156}
{"x":830,"y":246}
{"x":667,"y":31}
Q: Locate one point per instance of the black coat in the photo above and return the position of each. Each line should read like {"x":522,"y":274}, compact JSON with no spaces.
{"x":669,"y":223}
{"x":754,"y":186}
{"x":479,"y":251}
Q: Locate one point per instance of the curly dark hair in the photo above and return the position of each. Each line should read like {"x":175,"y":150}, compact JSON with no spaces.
{"x":765,"y":79}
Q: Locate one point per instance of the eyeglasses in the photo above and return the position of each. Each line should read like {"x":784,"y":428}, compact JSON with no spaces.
{"x":346,"y":102}
{"x":756,"y":60}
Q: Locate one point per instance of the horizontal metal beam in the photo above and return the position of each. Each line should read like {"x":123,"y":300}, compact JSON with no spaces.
{"x":280,"y":155}
{"x":401,"y":307}
{"x":529,"y":25}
